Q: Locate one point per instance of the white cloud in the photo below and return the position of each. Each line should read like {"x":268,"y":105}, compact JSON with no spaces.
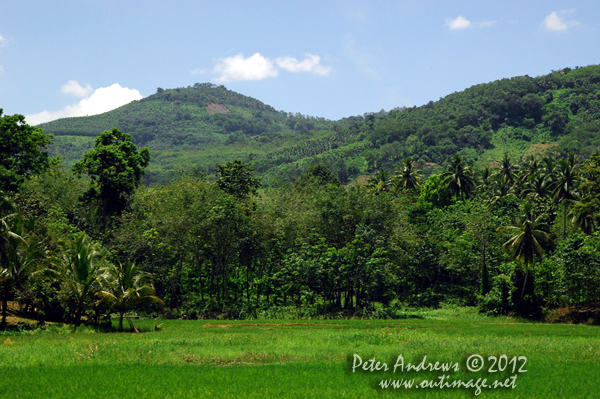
{"x":458,"y":23}
{"x":461,"y":22}
{"x":74,"y":88}
{"x":1,"y":71}
{"x":258,"y":67}
{"x":312,"y":63}
{"x":486,"y":24}
{"x":101,"y":100}
{"x":236,"y":68}
{"x":197,"y":72}
{"x":2,"y":41}
{"x":555,"y":21}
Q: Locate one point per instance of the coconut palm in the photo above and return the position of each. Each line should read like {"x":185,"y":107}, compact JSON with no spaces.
{"x":79,"y":268}
{"x":485,"y":175}
{"x":380,"y":181}
{"x":500,"y":189}
{"x":548,"y":166}
{"x":585,"y":215}
{"x":529,"y":238}
{"x":507,"y":169}
{"x":407,"y":177}
{"x":531,"y":166}
{"x":538,"y":186}
{"x":127,"y":287}
{"x":10,"y":239}
{"x":565,"y":184}
{"x":459,"y":177}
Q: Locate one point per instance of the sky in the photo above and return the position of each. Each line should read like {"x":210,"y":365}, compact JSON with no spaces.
{"x":323,"y":58}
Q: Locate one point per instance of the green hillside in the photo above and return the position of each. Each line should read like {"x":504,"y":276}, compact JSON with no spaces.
{"x":201,"y":125}
{"x":184,"y":121}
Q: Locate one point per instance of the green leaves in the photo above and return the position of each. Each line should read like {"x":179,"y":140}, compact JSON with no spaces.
{"x":235,"y":178}
{"x":21,"y":154}
{"x":116,"y":167}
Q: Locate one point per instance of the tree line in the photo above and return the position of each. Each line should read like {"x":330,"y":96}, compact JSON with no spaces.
{"x":517,"y":238}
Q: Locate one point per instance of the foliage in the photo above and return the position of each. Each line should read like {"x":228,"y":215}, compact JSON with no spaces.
{"x":235,"y":178}
{"x":557,"y":112}
{"x":22,"y":152}
{"x":116,"y":167}
{"x":318,"y":175}
{"x":127,"y":287}
{"x":79,"y":268}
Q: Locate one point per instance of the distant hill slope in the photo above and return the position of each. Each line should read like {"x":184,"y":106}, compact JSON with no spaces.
{"x":201,"y":125}
{"x":182,"y":119}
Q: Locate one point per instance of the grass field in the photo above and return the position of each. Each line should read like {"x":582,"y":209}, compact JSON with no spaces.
{"x":301,"y":359}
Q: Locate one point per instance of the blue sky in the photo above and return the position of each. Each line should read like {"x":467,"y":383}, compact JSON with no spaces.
{"x":323,"y":58}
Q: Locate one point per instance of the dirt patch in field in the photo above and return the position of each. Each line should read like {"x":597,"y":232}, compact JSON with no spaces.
{"x":216,"y":108}
{"x":262,"y":325}
{"x":13,"y":316}
{"x":245,"y":359}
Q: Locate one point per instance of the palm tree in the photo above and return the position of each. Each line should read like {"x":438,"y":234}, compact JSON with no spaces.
{"x":407,"y":177}
{"x":380,"y":181}
{"x":127,"y":287}
{"x":565,"y":185}
{"x":500,"y":189}
{"x":485,"y":178}
{"x":459,"y":177}
{"x":529,"y":238}
{"x":585,"y":214}
{"x":507,"y":169}
{"x":530,"y":167}
{"x":79,"y":268}
{"x":549,"y":166}
{"x":538,"y":185}
{"x":9,"y":242}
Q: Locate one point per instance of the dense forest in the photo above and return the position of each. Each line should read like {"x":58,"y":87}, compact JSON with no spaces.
{"x":489,"y":197}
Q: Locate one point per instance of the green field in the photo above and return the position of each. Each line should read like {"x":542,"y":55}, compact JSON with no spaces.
{"x":299,"y":358}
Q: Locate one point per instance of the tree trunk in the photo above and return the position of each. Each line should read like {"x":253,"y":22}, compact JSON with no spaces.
{"x":4,"y":306}
{"x":121,"y":314}
{"x":4,"y":303}
{"x":524,"y":282}
{"x":78,"y":314}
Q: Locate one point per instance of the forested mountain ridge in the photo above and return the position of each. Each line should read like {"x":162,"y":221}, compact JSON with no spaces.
{"x":559,"y":111}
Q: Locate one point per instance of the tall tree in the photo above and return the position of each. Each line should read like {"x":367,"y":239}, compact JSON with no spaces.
{"x":407,"y":176}
{"x":529,"y":238}
{"x":565,"y":185}
{"x":507,"y":169}
{"x":9,"y":241}
{"x":459,"y":177}
{"x":21,"y":151}
{"x":116,"y":167}
{"x":235,"y":178}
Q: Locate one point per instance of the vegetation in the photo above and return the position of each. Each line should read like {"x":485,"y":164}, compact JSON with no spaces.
{"x":453,"y":216}
{"x":554,"y":113}
{"x":293,"y":359}
{"x":498,"y":236}
{"x":21,"y":151}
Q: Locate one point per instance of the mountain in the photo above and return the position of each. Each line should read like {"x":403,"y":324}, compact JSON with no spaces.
{"x":205,"y":124}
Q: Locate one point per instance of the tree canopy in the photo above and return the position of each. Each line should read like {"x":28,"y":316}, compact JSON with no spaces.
{"x":116,"y":167}
{"x":21,"y":151}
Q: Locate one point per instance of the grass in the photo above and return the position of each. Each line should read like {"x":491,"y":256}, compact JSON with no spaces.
{"x":296,"y":359}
